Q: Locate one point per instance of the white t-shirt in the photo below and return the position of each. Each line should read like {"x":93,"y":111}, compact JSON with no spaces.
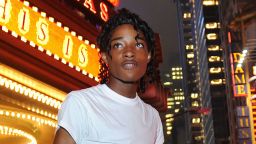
{"x":99,"y":115}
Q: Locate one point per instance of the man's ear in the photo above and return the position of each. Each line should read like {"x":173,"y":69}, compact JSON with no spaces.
{"x":104,"y":58}
{"x":149,"y":57}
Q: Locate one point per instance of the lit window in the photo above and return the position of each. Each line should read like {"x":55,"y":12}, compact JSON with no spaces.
{"x":190,"y":55}
{"x":211,"y":36}
{"x":189,"y":47}
{"x":170,"y":103}
{"x":210,"y":2}
{"x":194,"y":95}
{"x":213,"y":48}
{"x":212,"y":25}
{"x":215,"y":70}
{"x":169,"y":119}
{"x":216,"y":82}
{"x":214,"y":59}
{"x":190,"y":62}
{"x":187,"y":15}
{"x":195,"y":104}
{"x":167,"y":83}
{"x":168,"y":115}
{"x":169,"y":128}
{"x":196,"y":120}
{"x":200,"y":137}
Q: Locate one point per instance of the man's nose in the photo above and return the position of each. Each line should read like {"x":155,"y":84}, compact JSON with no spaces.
{"x":129,"y":52}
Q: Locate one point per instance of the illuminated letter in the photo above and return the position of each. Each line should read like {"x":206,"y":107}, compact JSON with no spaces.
{"x":244,"y":133}
{"x":103,"y":11}
{"x":243,"y":122}
{"x":239,"y":80}
{"x":5,"y":11}
{"x":83,"y":55}
{"x":67,"y":47}
{"x":23,"y":21}
{"x":236,"y":56}
{"x":241,"y":89}
{"x":89,"y":4}
{"x":239,"y":70}
{"x":42,"y":31}
{"x":254,"y":70}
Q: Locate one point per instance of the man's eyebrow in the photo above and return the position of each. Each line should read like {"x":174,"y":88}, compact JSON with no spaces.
{"x":139,"y":37}
{"x":116,"y":38}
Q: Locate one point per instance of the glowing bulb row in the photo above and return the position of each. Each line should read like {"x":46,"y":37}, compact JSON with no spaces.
{"x":20,"y":115}
{"x":67,"y":29}
{"x":55,"y":56}
{"x":4,"y":130}
{"x":26,"y":91}
{"x":31,"y":108}
{"x":33,"y":83}
{"x":42,"y":112}
{"x":59,"y":24}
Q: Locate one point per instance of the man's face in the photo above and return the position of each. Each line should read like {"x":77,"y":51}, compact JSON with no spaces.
{"x":128,"y":56}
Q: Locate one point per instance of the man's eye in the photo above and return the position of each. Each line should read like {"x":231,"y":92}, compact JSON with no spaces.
{"x":139,"y":45}
{"x":117,"y":45}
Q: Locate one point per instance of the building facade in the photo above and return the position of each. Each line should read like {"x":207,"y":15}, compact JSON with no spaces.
{"x":204,"y":75}
{"x":174,"y":122}
{"x":238,"y":41}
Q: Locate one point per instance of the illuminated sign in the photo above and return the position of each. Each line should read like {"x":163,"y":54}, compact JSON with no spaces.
{"x":238,"y":76}
{"x":96,"y":7}
{"x":252,"y":79}
{"x":114,"y":2}
{"x":243,"y":124}
{"x":31,"y":26}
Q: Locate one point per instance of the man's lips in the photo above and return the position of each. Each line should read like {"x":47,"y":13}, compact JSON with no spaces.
{"x":128,"y":65}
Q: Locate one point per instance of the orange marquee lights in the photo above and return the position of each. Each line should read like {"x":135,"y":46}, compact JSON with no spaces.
{"x":114,"y":2}
{"x":90,"y":4}
{"x":50,"y":36}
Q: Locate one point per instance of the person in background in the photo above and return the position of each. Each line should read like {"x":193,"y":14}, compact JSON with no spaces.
{"x":112,"y":112}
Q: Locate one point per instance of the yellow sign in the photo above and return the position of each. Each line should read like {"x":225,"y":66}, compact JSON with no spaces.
{"x":238,"y":77}
{"x":34,"y":26}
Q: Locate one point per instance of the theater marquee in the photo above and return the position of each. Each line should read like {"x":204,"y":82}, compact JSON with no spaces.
{"x":43,"y":32}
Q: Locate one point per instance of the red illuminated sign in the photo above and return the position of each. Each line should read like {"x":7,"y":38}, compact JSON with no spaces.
{"x":97,"y":7}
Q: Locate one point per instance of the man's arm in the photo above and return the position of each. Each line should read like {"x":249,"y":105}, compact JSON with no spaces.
{"x":63,"y":137}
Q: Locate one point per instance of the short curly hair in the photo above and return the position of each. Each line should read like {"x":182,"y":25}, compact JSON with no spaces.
{"x":124,"y":16}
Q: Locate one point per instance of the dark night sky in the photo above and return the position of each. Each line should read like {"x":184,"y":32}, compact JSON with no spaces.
{"x":161,"y":17}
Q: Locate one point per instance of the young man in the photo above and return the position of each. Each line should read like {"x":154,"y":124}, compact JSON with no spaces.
{"x":112,"y":112}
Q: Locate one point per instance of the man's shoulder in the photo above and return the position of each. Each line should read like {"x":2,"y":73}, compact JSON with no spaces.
{"x":95,"y":88}
{"x":85,"y":93}
{"x":148,"y":106}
